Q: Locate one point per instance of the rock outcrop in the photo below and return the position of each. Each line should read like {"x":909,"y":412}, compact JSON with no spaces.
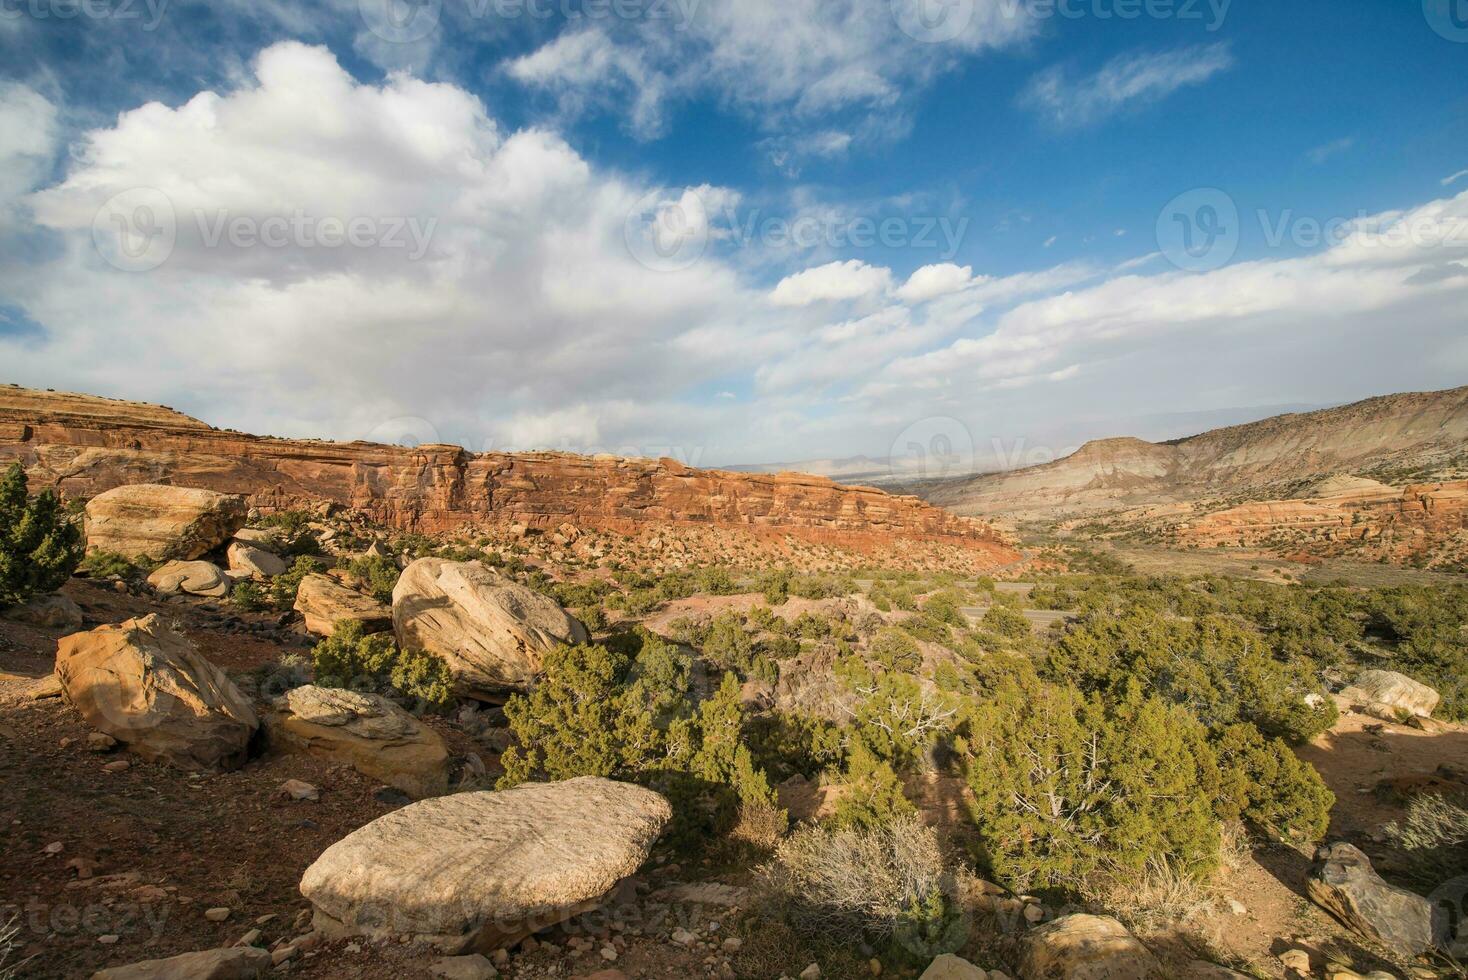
{"x":192,"y":577}
{"x":84,"y":446}
{"x":1345,"y":885}
{"x":1086,"y":947}
{"x":490,"y":630}
{"x":365,"y":731}
{"x":323,"y":602}
{"x":146,"y":686}
{"x":475,"y":871}
{"x":233,"y":963}
{"x":148,"y":520}
{"x":1389,"y":695}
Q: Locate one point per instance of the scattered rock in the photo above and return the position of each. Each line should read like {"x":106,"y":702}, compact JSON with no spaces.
{"x":472,"y":967}
{"x":46,"y":688}
{"x":49,"y":611}
{"x":191,"y":577}
{"x":217,"y":914}
{"x":367,"y":732}
{"x":121,"y":765}
{"x":1389,"y":695}
{"x":235,"y":963}
{"x":1086,"y":947}
{"x":1345,"y":885}
{"x":481,"y":870}
{"x":295,"y":789}
{"x":950,"y":967}
{"x":812,"y":972}
{"x":259,"y":537}
{"x":159,"y":522}
{"x":323,"y":602}
{"x":1297,"y":960}
{"x":490,"y":630}
{"x":144,"y":684}
{"x":254,"y":561}
{"x":100,"y":742}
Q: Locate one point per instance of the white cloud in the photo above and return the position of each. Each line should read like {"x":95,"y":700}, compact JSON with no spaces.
{"x":1123,"y":82}
{"x":852,"y":279}
{"x":28,"y":137}
{"x":932,"y":281}
{"x":1447,"y":181}
{"x":1322,"y":153}
{"x":791,"y":64}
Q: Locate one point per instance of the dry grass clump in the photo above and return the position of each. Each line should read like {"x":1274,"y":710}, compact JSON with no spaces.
{"x":9,"y":944}
{"x":1434,"y":836}
{"x":846,"y":885}
{"x":760,"y":825}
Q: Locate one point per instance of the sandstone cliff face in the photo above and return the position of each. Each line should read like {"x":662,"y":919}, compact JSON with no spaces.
{"x":84,"y":446}
{"x":1408,"y":431}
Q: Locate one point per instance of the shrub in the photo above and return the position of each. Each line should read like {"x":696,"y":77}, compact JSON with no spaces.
{"x":248,"y":596}
{"x":283,"y":588}
{"x":378,"y":574}
{"x":886,"y":885}
{"x":895,"y":650}
{"x":1064,"y":785}
{"x":349,"y":658}
{"x":40,"y":546}
{"x":873,"y":796}
{"x":1434,"y":836}
{"x":110,"y":564}
{"x":1006,"y":622}
{"x":1265,"y":783}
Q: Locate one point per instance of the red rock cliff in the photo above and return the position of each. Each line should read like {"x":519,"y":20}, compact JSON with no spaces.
{"x":84,"y":445}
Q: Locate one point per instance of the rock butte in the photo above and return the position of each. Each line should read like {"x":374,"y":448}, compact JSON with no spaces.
{"x":84,"y":445}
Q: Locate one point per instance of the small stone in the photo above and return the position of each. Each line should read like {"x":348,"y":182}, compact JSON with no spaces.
{"x":501,"y":957}
{"x":812,"y":972}
{"x":295,"y":789}
{"x":1297,"y":960}
{"x":1237,"y":907}
{"x":121,"y":765}
{"x":55,"y":847}
{"x":82,"y":867}
{"x":683,"y":937}
{"x":609,"y":954}
{"x":874,"y":967}
{"x":1034,"y":913}
{"x":732,"y":944}
{"x":108,"y":940}
{"x":271,"y":917}
{"x":282,"y":954}
{"x":218,"y":914}
{"x":100,"y":742}
{"x":249,"y":938}
{"x":472,"y":967}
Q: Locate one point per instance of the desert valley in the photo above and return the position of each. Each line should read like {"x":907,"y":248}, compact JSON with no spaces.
{"x":322,"y":709}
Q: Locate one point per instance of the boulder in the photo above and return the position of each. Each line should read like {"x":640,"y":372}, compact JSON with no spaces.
{"x":234,"y":963}
{"x":54,"y":611}
{"x":1389,"y":695}
{"x":324,"y":602}
{"x":1345,"y":885}
{"x":193,"y":577}
{"x":259,"y":537}
{"x":1086,"y":947}
{"x":492,"y":632}
{"x":477,"y":871}
{"x":950,"y":967}
{"x":146,"y":520}
{"x":367,"y":732}
{"x":143,"y":683}
{"x":254,"y":561}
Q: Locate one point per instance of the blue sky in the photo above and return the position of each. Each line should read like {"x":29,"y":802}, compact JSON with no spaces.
{"x":1021,"y":229}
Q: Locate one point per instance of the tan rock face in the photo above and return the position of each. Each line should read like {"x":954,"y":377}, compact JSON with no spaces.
{"x":481,"y":870}
{"x":367,"y":732}
{"x":161,"y":522}
{"x":146,"y":686}
{"x":1086,"y":947}
{"x":1391,"y":694}
{"x":254,"y":561}
{"x":492,"y":631}
{"x":324,"y":602}
{"x":84,"y":446}
{"x":193,"y":577}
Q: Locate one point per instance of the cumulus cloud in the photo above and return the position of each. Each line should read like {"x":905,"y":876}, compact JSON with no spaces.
{"x":28,"y":136}
{"x":932,"y":281}
{"x":852,"y":279}
{"x":1124,"y":82}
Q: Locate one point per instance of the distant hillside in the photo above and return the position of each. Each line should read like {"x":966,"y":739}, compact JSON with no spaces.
{"x":1394,"y":438}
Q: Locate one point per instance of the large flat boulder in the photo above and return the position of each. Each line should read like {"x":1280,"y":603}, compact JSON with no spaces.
{"x":146,"y":520}
{"x":491,"y":631}
{"x":234,"y":963}
{"x":1389,"y":695}
{"x":250,"y":560}
{"x":190,"y":577}
{"x":144,"y":684}
{"x":323,"y":602}
{"x":1344,"y":883}
{"x":367,"y":732}
{"x":475,"y":871}
{"x":1086,"y":947}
